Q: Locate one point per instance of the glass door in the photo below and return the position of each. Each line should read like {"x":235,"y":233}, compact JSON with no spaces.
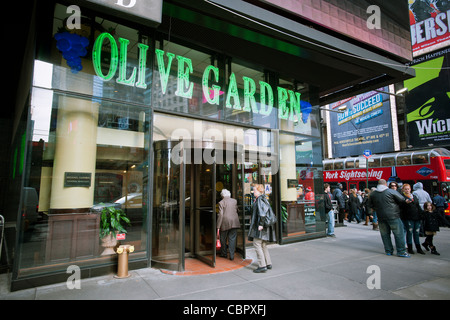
{"x":205,"y":232}
{"x":229,"y":175}
{"x":168,"y":208}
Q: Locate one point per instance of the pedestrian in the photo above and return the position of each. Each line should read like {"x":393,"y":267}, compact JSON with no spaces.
{"x":411,"y":214}
{"x":353,"y":205}
{"x":423,"y":197}
{"x":386,"y":202}
{"x":440,"y":203}
{"x":339,"y":197}
{"x":228,"y":224}
{"x":346,"y":200}
{"x":364,"y":207}
{"x":431,"y":226}
{"x":258,"y":233}
{"x":393,"y":185}
{"x":421,"y":194}
{"x":373,"y":213}
{"x":329,"y":210}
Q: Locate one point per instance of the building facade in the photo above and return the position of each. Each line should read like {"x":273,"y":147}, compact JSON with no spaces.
{"x":151,"y":116}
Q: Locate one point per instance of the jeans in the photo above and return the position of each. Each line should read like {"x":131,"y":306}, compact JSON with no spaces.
{"x":396,"y":226}
{"x":330,"y":222}
{"x":412,"y":231}
{"x":374,"y":215}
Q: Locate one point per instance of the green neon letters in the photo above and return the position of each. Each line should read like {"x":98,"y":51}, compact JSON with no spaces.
{"x":185,"y":87}
{"x":215,"y":88}
{"x":97,"y":56}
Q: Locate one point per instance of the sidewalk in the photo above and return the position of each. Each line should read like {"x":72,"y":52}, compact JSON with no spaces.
{"x":326,"y":268}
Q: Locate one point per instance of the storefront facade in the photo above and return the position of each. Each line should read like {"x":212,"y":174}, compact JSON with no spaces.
{"x":155,"y":120}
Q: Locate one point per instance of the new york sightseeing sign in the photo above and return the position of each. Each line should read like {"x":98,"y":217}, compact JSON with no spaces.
{"x":289,"y":102}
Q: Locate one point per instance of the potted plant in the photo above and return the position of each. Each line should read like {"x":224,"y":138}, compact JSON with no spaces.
{"x":112,"y":222}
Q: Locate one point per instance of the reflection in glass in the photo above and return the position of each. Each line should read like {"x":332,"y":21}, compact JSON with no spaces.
{"x":166,"y":205}
{"x":77,"y":168}
{"x":300,"y":186}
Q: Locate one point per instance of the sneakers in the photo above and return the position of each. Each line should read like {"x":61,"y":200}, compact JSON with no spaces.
{"x":404,"y":255}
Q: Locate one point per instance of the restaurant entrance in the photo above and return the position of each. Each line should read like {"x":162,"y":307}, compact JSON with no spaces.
{"x":185,"y":197}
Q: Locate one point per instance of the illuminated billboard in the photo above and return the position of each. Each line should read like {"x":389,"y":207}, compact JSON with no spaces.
{"x":430,"y":25}
{"x":428,"y":101}
{"x":366,"y":123}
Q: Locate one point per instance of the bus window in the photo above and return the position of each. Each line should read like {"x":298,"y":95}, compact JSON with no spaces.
{"x":328,"y":165}
{"x":350,"y":164}
{"x":447,"y":164}
{"x":420,"y":158}
{"x":374,"y":162}
{"x":403,"y":160}
{"x":339,"y":165}
{"x":387,"y":161}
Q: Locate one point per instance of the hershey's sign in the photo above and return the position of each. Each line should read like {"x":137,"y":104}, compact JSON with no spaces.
{"x":148,"y":11}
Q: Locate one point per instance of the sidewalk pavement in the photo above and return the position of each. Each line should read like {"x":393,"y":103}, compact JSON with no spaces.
{"x":351,"y":266}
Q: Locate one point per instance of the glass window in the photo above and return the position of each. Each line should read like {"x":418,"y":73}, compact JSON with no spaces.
{"x":80,"y":169}
{"x":88,"y":155}
{"x":339,"y":164}
{"x":104,"y":59}
{"x":300,"y":186}
{"x":178,"y":80}
{"x":419,"y":158}
{"x":350,"y":164}
{"x":250,"y":98}
{"x":374,"y":162}
{"x":292,"y":95}
{"x":328,"y":165}
{"x":387,"y":161}
{"x":447,"y":164}
{"x":403,"y":159}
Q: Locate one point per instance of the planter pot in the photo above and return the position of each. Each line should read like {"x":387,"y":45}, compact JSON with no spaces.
{"x":109,"y":242}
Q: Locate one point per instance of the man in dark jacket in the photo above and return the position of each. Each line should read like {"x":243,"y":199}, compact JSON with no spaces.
{"x":338,"y":196}
{"x":440,"y":203}
{"x":329,"y":210}
{"x":386,"y":202}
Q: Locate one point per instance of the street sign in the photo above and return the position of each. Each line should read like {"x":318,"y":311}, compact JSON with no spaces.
{"x":367,"y":154}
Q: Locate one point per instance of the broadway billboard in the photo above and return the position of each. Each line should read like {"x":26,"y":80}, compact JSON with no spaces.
{"x":428,"y":101}
{"x":430,"y":25}
{"x":365,"y":124}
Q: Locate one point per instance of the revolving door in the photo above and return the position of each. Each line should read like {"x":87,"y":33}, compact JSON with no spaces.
{"x":187,"y":183}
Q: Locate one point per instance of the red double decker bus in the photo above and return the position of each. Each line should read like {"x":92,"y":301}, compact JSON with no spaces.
{"x":431,"y":167}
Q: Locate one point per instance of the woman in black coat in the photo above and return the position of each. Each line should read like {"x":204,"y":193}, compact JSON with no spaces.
{"x":258,"y":232}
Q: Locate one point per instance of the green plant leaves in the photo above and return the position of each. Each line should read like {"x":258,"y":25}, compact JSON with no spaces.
{"x":112,"y":220}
